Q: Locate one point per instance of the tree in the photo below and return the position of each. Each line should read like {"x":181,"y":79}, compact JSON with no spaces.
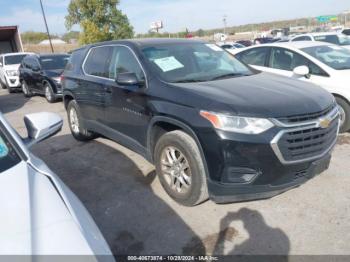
{"x":200,"y":33}
{"x":100,"y":20}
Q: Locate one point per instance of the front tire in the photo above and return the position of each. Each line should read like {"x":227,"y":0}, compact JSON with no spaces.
{"x":49,"y":94}
{"x":344,"y":109}
{"x":180,"y":168}
{"x":25,"y":89}
{"x":75,"y":123}
{"x":3,"y":86}
{"x":10,"y":90}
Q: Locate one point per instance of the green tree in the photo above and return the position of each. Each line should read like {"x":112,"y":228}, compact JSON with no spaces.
{"x":200,"y":33}
{"x":100,"y":20}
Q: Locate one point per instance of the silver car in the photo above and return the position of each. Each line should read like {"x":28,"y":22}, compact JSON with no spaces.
{"x":39,"y":214}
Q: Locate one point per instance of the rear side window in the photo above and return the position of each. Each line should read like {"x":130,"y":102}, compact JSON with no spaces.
{"x":8,"y":156}
{"x":256,"y":56}
{"x":97,"y":61}
{"x":74,"y":60}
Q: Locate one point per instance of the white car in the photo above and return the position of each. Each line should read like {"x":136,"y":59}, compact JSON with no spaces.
{"x":323,"y":64}
{"x":39,"y":214}
{"x":229,"y":46}
{"x":329,"y":37}
{"x":9,"y":75}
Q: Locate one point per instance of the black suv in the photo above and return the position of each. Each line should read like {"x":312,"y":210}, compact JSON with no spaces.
{"x":212,"y":126}
{"x":41,"y":74}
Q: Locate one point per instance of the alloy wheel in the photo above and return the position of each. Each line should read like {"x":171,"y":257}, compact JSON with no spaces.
{"x":342,"y":116}
{"x":73,"y":119}
{"x":48,"y":93}
{"x":176,"y":170}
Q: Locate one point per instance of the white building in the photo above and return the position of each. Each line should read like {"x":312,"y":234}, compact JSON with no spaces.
{"x":54,"y":42}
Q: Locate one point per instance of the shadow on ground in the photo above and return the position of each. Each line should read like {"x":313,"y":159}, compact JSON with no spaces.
{"x":136,"y":221}
{"x":11,"y":102}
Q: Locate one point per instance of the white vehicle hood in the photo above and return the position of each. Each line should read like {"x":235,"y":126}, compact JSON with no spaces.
{"x":11,"y":67}
{"x":34,"y":217}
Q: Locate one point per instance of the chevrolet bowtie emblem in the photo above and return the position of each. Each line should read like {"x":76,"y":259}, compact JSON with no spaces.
{"x":324,"y":122}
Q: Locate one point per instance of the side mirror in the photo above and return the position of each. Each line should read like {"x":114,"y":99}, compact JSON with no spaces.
{"x":128,"y":79}
{"x":302,"y":71}
{"x":41,"y":126}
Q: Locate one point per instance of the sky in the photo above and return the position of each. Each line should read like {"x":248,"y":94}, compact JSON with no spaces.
{"x":175,"y":14}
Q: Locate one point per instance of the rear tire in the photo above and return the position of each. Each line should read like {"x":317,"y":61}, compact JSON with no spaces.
{"x":49,"y":94}
{"x":180,"y":168}
{"x":344,"y":114}
{"x":25,"y":89}
{"x":76,"y":124}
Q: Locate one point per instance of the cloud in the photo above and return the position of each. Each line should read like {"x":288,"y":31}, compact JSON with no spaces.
{"x":28,"y":19}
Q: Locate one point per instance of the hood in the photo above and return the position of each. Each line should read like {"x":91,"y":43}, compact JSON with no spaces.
{"x":262,"y":95}
{"x":34,"y":219}
{"x":54,"y":73}
{"x":11,"y":67}
{"x":344,"y":74}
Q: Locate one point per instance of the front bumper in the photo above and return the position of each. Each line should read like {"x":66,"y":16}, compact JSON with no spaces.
{"x":227,"y":193}
{"x":13,"y":82}
{"x":247,"y":167}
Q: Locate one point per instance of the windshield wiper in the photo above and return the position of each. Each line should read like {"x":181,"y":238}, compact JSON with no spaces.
{"x":228,"y":75}
{"x":188,"y":81}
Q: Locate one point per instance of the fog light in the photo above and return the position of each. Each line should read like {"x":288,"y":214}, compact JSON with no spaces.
{"x":240,"y":175}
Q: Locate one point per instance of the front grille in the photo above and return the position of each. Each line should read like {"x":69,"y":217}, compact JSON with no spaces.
{"x":306,"y":117}
{"x":307,"y":142}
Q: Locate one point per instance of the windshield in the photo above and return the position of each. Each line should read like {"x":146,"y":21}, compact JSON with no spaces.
{"x":14,"y":59}
{"x":334,"y":56}
{"x":54,"y":62}
{"x":193,"y":62}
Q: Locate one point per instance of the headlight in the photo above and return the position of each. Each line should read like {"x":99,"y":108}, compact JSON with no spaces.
{"x":12,"y":72}
{"x":244,"y":125}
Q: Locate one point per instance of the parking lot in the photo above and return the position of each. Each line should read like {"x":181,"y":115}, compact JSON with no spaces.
{"x":123,"y":195}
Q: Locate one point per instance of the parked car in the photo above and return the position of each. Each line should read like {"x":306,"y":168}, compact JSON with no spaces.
{"x":231,"y":45}
{"x":41,"y":74}
{"x":346,"y":31}
{"x":246,"y":43}
{"x":39,"y":214}
{"x":329,"y":37}
{"x":264,"y":40}
{"x":323,"y":64}
{"x":9,"y":75}
{"x":211,"y":125}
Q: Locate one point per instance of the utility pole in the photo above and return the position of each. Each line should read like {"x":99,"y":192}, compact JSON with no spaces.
{"x":47,"y":28}
{"x":225,"y":23}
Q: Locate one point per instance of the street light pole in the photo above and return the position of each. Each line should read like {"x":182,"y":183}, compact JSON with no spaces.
{"x":225,"y":23}
{"x":47,"y":28}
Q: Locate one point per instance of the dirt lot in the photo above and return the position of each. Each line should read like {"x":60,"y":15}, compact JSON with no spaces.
{"x":122,"y":193}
